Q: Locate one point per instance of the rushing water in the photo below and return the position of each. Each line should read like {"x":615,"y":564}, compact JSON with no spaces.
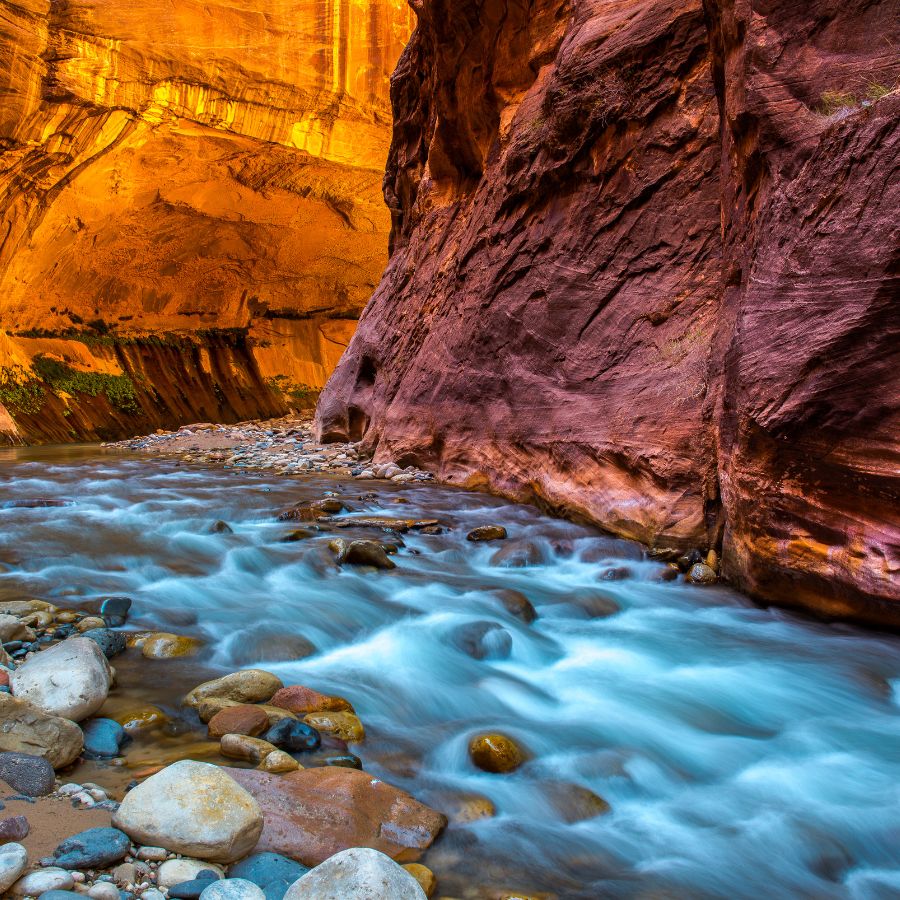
{"x":744,"y":752}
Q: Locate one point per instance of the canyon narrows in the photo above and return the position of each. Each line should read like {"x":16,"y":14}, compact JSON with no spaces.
{"x":645,"y":271}
{"x":191,"y":208}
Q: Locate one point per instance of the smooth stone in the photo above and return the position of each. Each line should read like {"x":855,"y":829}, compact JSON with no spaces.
{"x":220,"y":527}
{"x":367,"y":553}
{"x":90,"y":623}
{"x":279,"y":761}
{"x":13,"y":859}
{"x":114,"y":610}
{"x":302,"y":700}
{"x":163,"y":645}
{"x":290,"y":734}
{"x":343,"y":760}
{"x":192,"y":808}
{"x":233,"y":889}
{"x":314,"y":813}
{"x":266,"y":644}
{"x":239,"y":746}
{"x":13,"y":828}
{"x":152,"y":854}
{"x":246,"y":686}
{"x":112,"y":643}
{"x":28,"y":774}
{"x":241,"y":719}
{"x":487,"y":533}
{"x":191,"y":890}
{"x":104,"y":890}
{"x":13,"y":629}
{"x":345,"y":725}
{"x":38,"y":882}
{"x":495,"y":753}
{"x":575,"y":803}
{"x":264,"y":868}
{"x":70,"y":680}
{"x":144,"y":718}
{"x":149,"y":894}
{"x":359,"y":873}
{"x":102,"y":738}
{"x":95,"y":848}
{"x":177,"y":871}
{"x":516,"y":604}
{"x":518,"y":554}
{"x":424,"y":876}
{"x":61,"y":895}
{"x":701,"y":573}
{"x":482,"y":640}
{"x":24,"y":729}
{"x":691,"y":558}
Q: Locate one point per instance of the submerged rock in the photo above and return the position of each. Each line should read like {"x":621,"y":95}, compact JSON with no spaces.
{"x":482,"y":640}
{"x":163,"y":645}
{"x":242,"y":719}
{"x":495,"y":753}
{"x":301,"y":700}
{"x":487,"y":533}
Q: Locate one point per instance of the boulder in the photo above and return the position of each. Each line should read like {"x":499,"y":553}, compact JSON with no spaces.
{"x":95,"y":848}
{"x":314,"y":813}
{"x":34,"y":884}
{"x":358,"y":873}
{"x":112,"y":643}
{"x":192,"y":808}
{"x":24,"y":729}
{"x":241,"y":719}
{"x":13,"y":859}
{"x":247,"y":686}
{"x":302,"y":700}
{"x":70,"y":680}
{"x":28,"y":774}
{"x":12,"y":629}
{"x":232,"y":889}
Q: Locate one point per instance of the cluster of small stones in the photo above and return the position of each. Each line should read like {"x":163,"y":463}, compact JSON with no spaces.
{"x":282,"y":447}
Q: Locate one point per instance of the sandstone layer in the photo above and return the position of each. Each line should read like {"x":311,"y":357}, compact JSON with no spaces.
{"x":189,"y":201}
{"x":644,"y":271}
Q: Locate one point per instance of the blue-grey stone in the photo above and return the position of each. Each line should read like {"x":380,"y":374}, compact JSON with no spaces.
{"x":27,"y":774}
{"x":112,"y":643}
{"x":292,"y":735}
{"x":264,"y":868}
{"x":60,"y":895}
{"x":275,"y":890}
{"x":92,"y":849}
{"x":114,"y":610}
{"x":191,"y":890}
{"x":102,"y":738}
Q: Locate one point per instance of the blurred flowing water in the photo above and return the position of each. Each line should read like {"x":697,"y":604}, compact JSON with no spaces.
{"x":744,"y":752}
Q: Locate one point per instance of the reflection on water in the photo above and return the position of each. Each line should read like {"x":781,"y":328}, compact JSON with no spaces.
{"x":744,"y":752}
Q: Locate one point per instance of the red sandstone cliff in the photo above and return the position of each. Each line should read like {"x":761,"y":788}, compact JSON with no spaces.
{"x":645,"y":271}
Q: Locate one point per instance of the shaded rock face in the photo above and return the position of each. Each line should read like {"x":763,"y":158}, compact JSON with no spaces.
{"x":203,"y":175}
{"x":642,"y":269}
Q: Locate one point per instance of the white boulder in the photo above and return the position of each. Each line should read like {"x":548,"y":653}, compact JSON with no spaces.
{"x":36,"y":883}
{"x":232,"y":889}
{"x":359,"y":873}
{"x":13,"y":859}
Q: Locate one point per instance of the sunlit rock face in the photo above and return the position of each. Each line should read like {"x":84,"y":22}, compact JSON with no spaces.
{"x":190,"y":199}
{"x":644,"y":271}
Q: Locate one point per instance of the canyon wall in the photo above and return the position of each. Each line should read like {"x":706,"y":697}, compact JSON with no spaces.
{"x":644,"y":272}
{"x":190,"y":203}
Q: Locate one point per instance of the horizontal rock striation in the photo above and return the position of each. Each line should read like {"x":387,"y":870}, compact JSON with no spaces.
{"x":642,"y":269}
{"x":168,"y":169}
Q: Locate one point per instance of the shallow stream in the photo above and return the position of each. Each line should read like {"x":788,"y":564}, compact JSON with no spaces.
{"x":744,"y":752}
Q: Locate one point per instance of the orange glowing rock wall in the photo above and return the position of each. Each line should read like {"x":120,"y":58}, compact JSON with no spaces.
{"x":190,"y":199}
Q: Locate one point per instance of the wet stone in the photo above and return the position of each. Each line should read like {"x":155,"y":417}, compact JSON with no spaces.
{"x":102,"y":738}
{"x":265,"y":868}
{"x":482,"y":640}
{"x":487,"y":533}
{"x":95,"y":848}
{"x":518,"y":554}
{"x":294,"y":736}
{"x":495,"y":753}
{"x":367,"y":553}
{"x":190,"y":890}
{"x":112,"y":643}
{"x":220,"y":527}
{"x":701,"y":573}
{"x":243,"y":719}
{"x":517,"y":604}
{"x":114,"y":610}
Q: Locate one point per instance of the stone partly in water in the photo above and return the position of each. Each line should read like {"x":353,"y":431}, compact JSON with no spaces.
{"x":495,"y":753}
{"x":112,"y":643}
{"x":233,"y":889}
{"x":13,"y":859}
{"x":164,"y":645}
{"x":701,"y":573}
{"x":482,"y":640}
{"x":366,"y":553}
{"x":143,"y":718}
{"x":24,"y":729}
{"x":95,"y":848}
{"x":192,"y":808}
{"x":70,"y":680}
{"x":516,"y":604}
{"x":243,"y":719}
{"x":240,"y":746}
{"x":345,"y":725}
{"x":28,"y":774}
{"x":302,"y":700}
{"x":268,"y":644}
{"x":359,"y":872}
{"x":13,"y":629}
{"x":103,"y":738}
{"x":247,"y":686}
{"x":297,"y":737}
{"x":312,"y":814}
{"x":279,"y":761}
{"x":487,"y":533}
{"x":114,"y":610}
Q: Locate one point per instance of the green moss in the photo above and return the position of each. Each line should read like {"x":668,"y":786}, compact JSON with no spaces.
{"x":63,"y":379}
{"x":20,"y":391}
{"x":299,"y":394}
{"x":834,"y":101}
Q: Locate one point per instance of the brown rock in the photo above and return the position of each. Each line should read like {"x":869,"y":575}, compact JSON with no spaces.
{"x":312,"y":814}
{"x":13,"y":828}
{"x":163,"y":645}
{"x":24,"y":729}
{"x":487,"y":533}
{"x":495,"y":753}
{"x":517,"y":604}
{"x":246,"y":686}
{"x":424,"y":876}
{"x":239,"y":746}
{"x":240,"y":719}
{"x":302,"y":700}
{"x":279,"y":761}
{"x":344,"y":725}
{"x":143,"y":718}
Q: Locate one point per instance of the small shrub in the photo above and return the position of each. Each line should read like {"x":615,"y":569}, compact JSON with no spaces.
{"x":834,"y":101}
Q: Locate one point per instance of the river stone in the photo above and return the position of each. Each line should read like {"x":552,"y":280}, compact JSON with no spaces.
{"x":289,"y":734}
{"x":482,"y":640}
{"x":90,"y":623}
{"x":192,"y":808}
{"x":36,"y":883}
{"x":24,"y":607}
{"x":102,"y":738}
{"x":12,"y":629}
{"x":95,"y":848}
{"x":268,"y":644}
{"x":164,"y":645}
{"x":233,"y":889}
{"x":314,"y":813}
{"x":24,"y":729}
{"x":302,"y":700}
{"x":112,"y":643}
{"x":265,"y":868}
{"x":701,"y":573}
{"x":517,"y":604}
{"x":345,"y":725}
{"x":13,"y":859}
{"x":247,"y":686}
{"x":487,"y":533}
{"x":191,"y":890}
{"x":424,"y":876}
{"x":13,"y":828}
{"x":114,"y":610}
{"x":279,"y":761}
{"x":240,"y":746}
{"x":177,"y":871}
{"x":495,"y":753}
{"x":30,"y":775}
{"x":105,"y":890}
{"x":518,"y":554}
{"x":241,"y":719}
{"x":70,"y":680}
{"x":359,"y":873}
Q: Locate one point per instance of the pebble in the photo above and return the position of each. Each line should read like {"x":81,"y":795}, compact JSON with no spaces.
{"x":103,"y":890}
{"x":36,"y":883}
{"x":495,"y":753}
{"x":14,"y":828}
{"x":233,"y":889}
{"x":13,"y":859}
{"x":27,"y":774}
{"x":177,"y":871}
{"x":152,"y":854}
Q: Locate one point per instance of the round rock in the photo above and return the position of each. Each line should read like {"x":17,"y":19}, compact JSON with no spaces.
{"x":233,"y":889}
{"x":36,"y":883}
{"x":13,"y":859}
{"x":247,"y":686}
{"x":293,"y":735}
{"x":359,"y":872}
{"x":495,"y":753}
{"x":30,"y":775}
{"x":95,"y":848}
{"x":102,"y":738}
{"x":24,"y":729}
{"x":264,"y":868}
{"x":177,"y":871}
{"x":243,"y":719}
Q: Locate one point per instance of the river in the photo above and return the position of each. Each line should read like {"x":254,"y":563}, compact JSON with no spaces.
{"x":744,"y":752}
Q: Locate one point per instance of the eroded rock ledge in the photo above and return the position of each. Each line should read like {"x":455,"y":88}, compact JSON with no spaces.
{"x":645,"y":271}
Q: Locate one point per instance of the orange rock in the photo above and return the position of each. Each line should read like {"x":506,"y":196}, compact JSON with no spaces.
{"x":243,"y":719}
{"x":495,"y":753}
{"x":312,"y":814}
{"x":303,"y":700}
